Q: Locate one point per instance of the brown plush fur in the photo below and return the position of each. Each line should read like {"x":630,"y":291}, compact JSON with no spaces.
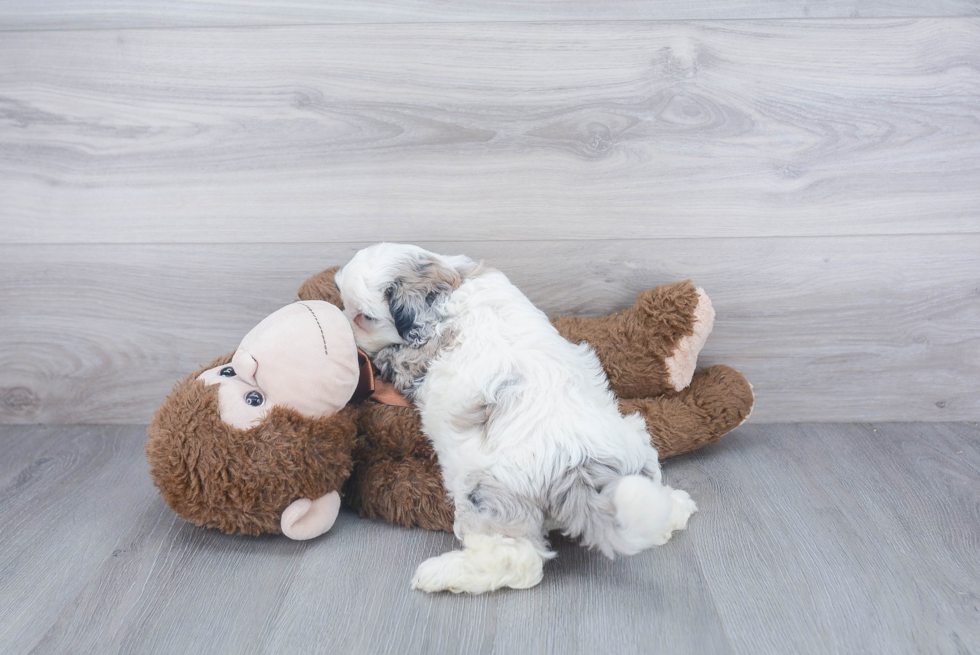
{"x":240,"y":481}
{"x":322,"y":287}
{"x":396,"y":475}
{"x":634,"y":344}
{"x":717,"y":401}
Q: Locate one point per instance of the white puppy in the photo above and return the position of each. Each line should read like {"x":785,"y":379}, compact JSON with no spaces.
{"x":527,"y":432}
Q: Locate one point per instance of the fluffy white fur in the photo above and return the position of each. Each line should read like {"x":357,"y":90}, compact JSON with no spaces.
{"x":528,"y":434}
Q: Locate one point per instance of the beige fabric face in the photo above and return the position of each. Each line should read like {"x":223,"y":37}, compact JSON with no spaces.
{"x":302,"y":357}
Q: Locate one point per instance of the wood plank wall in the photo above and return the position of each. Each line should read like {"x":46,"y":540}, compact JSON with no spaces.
{"x":170,"y":172}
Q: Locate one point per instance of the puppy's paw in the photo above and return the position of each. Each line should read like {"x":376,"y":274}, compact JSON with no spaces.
{"x":487,"y":562}
{"x":683,"y":361}
{"x":442,"y":573}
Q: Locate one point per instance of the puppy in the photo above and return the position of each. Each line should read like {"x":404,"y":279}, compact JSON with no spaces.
{"x":528,"y":434}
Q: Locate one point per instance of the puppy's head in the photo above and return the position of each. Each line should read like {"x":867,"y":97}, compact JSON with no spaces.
{"x":394,"y":293}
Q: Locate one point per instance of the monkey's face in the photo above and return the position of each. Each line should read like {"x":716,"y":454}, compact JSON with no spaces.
{"x":302,"y":357}
{"x":262,"y":441}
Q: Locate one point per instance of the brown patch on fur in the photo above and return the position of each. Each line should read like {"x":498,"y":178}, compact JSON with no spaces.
{"x":717,"y":401}
{"x":240,"y":481}
{"x":428,"y":274}
{"x":634,"y":344}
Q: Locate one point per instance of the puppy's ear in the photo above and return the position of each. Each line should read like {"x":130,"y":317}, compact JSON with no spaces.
{"x":416,"y":295}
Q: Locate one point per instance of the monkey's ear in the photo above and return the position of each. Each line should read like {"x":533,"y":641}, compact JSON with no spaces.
{"x":415,"y":296}
{"x":306,"y":519}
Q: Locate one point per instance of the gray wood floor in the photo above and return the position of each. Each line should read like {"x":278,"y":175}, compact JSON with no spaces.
{"x":811,"y":538}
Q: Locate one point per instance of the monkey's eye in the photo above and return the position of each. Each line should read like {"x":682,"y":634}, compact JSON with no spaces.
{"x":227,"y":372}
{"x":368,"y":318}
{"x":254,"y":399}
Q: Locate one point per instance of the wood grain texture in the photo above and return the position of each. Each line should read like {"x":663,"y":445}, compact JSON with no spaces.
{"x":86,"y":14}
{"x":506,"y":131}
{"x":170,"y":585}
{"x":810,"y":539}
{"x":65,"y":495}
{"x":656,"y":599}
{"x":881,"y":328}
{"x":842,"y":538}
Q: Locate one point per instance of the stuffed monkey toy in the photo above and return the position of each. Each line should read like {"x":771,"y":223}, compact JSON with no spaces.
{"x":272,"y":438}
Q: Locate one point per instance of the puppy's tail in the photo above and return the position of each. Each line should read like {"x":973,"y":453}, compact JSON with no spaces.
{"x":630,"y":514}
